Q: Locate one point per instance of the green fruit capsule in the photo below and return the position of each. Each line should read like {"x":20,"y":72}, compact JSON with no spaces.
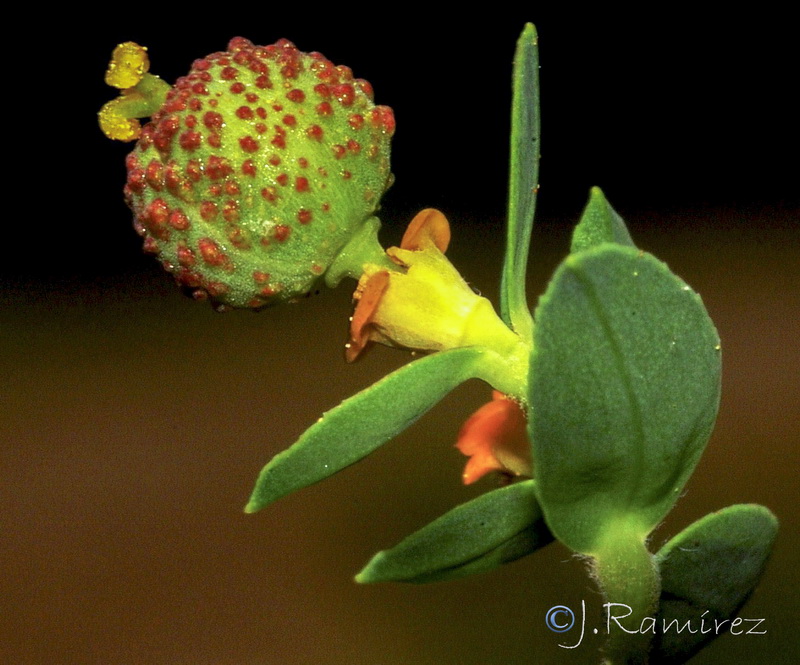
{"x":256,"y":172}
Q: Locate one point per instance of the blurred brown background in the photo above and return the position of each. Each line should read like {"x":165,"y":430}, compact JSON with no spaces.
{"x":134,"y":421}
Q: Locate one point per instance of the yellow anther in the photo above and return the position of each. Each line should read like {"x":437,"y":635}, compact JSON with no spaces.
{"x":115,"y":125}
{"x":128,"y":65}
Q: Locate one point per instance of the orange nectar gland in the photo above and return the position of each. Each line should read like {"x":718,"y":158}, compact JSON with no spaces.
{"x":256,"y":171}
{"x":495,"y":438}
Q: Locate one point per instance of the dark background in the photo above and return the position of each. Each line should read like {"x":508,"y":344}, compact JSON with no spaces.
{"x":135,"y":421}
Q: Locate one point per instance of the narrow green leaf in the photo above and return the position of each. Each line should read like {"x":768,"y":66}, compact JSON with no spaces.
{"x":523,"y":181}
{"x":624,"y":391}
{"x":364,"y":422}
{"x":599,"y":223}
{"x":495,"y":528}
{"x":708,"y":572}
{"x":531,"y":538}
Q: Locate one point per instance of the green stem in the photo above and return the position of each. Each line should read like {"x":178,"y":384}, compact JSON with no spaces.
{"x":119,"y":118}
{"x":362,"y":248}
{"x":154,"y":90}
{"x":629,"y":579}
{"x":144,"y":99}
{"x":508,"y":372}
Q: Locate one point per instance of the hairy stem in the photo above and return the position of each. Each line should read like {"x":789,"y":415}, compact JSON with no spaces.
{"x":629,"y":579}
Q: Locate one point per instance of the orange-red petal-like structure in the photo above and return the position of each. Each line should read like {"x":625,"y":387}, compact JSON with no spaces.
{"x":369,"y":298}
{"x":495,"y":438}
{"x":429,"y":225}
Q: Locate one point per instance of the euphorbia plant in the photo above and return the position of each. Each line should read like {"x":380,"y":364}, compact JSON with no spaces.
{"x":260,"y":173}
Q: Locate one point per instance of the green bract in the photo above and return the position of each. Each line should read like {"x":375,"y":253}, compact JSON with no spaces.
{"x":708,"y":571}
{"x":625,"y":378}
{"x":362,"y":423}
{"x":493,"y":529}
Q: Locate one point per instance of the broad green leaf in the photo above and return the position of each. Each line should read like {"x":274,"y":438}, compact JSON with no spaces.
{"x":495,"y":528}
{"x":599,"y":223}
{"x":708,"y":572}
{"x":364,"y":422}
{"x":624,"y":391}
{"x":523,"y":181}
